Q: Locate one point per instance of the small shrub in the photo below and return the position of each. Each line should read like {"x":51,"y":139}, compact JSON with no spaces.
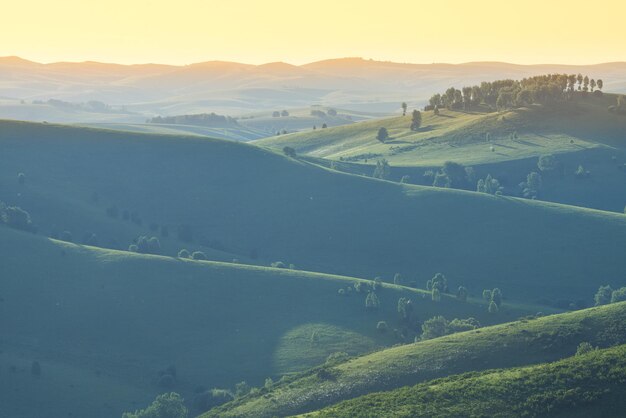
{"x":371,"y":301}
{"x":618,"y":295}
{"x":198,"y":255}
{"x":461,"y":294}
{"x":21,"y":178}
{"x":183,"y":253}
{"x":133,"y":248}
{"x":584,"y":348}
{"x":278,"y":265}
{"x":212,"y":398}
{"x":493,"y":308}
{"x":336,"y":358}
{"x":289,"y":152}
{"x":603,"y":295}
{"x":382,"y":327}
{"x":341,"y":292}
{"x":167,"y":405}
{"x":242,"y":389}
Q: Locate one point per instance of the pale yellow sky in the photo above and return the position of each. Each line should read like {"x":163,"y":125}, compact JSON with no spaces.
{"x":295,"y":31}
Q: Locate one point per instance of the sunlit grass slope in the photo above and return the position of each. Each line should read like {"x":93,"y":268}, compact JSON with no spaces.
{"x":513,"y":344}
{"x":102,"y":323}
{"x":462,"y":136}
{"x":580,"y":386}
{"x":247,"y":202}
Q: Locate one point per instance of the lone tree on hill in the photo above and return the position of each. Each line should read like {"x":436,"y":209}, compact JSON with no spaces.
{"x":289,"y":152}
{"x":600,"y":84}
{"x":416,"y":120}
{"x":382,"y":135}
{"x":404,"y":106}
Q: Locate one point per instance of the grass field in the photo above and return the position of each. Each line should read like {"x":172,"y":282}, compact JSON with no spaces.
{"x":102,"y":323}
{"x":257,"y":206}
{"x":580,"y":133}
{"x":580,"y":386}
{"x":525,"y":342}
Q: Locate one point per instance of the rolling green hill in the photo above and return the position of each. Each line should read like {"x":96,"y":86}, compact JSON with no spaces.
{"x":462,"y":136}
{"x":238,"y":133}
{"x":241,"y":201}
{"x":515,"y":344}
{"x":103,"y":323}
{"x":580,"y":386}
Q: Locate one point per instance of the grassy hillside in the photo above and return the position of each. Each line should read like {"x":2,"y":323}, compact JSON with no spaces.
{"x":240,"y":201}
{"x":240,"y":133}
{"x":105,"y":322}
{"x":582,"y":133}
{"x":508,"y":345}
{"x":462,"y":136}
{"x":580,"y":386}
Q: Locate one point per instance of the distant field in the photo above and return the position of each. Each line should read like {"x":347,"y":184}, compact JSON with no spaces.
{"x":514,"y":344}
{"x":102,"y":324}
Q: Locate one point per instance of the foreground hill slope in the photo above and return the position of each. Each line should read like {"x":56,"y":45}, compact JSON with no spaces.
{"x":103,"y":323}
{"x":587,"y":385}
{"x":508,"y":345}
{"x":249,"y":203}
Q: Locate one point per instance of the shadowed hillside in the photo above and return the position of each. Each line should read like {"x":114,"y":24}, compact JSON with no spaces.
{"x":103,"y":323}
{"x":252,"y":204}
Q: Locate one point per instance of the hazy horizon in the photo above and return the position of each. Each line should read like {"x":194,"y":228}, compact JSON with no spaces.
{"x":304,"y":63}
{"x":278,"y":30}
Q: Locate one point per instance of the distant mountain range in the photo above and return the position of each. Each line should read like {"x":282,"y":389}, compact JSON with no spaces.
{"x":234,"y":88}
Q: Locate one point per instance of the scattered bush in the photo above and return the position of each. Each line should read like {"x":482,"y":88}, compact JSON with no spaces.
{"x":290,"y":152}
{"x":371,"y":301}
{"x":198,"y":255}
{"x":581,"y":173}
{"x":461,"y":294}
{"x":618,"y":295}
{"x":382,"y":134}
{"x":183,"y":253}
{"x":147,"y":245}
{"x":242,"y":389}
{"x":16,"y":217}
{"x":487,"y":294}
{"x":167,"y":405}
{"x":603,"y":296}
{"x":21,"y":178}
{"x":382,"y":327}
{"x":133,"y":248}
{"x":278,"y":265}
{"x":439,"y":282}
{"x":493,"y":308}
{"x":397,"y":279}
{"x":212,"y":398}
{"x":336,"y":358}
{"x":382,"y":170}
{"x":584,"y":348}
{"x":405,"y":308}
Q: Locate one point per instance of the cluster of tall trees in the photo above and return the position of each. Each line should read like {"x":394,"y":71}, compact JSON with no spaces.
{"x":505,"y":94}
